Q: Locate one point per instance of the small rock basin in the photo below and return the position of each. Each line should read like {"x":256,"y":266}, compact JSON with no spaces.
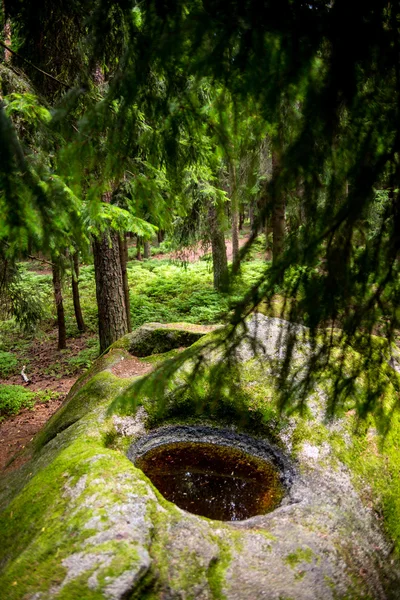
{"x":214,"y":473}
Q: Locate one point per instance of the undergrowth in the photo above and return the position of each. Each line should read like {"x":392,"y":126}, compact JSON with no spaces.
{"x":15,"y":397}
{"x":8,"y":364}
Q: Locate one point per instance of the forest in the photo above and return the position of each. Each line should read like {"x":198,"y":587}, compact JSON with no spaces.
{"x":199,"y":282}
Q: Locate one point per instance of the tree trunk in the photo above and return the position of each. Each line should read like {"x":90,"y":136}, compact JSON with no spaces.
{"x":109,"y":289}
{"x":7,"y":36}
{"x":267,"y":230}
{"x":62,"y":334}
{"x":123,"y":255}
{"x":241,"y":220}
{"x":235,"y":215}
{"x":218,"y":248}
{"x":278,"y":211}
{"x":75,"y":292}
{"x":251,"y":214}
{"x":138,"y":250}
{"x":146,"y":249}
{"x":160,"y":236}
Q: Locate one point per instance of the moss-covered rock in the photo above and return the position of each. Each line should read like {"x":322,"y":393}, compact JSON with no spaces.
{"x":157,"y":338}
{"x":79,"y":520}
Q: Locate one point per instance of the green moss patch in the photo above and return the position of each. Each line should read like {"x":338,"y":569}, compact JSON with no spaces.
{"x":157,"y":338}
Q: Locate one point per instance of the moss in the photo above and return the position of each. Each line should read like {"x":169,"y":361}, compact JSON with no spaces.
{"x":298,"y":556}
{"x":159,"y":358}
{"x":105,"y":362}
{"x":121,"y":344}
{"x":247,"y":400}
{"x":101,"y":388}
{"x":40,"y":527}
{"x":157,"y":339}
{"x":377,"y":461}
{"x":216,"y":579}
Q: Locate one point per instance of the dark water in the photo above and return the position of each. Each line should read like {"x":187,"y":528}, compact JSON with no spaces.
{"x":217,"y":482}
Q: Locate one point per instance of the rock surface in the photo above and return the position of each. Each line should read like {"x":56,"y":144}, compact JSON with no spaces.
{"x":81,"y":521}
{"x":158,"y":338}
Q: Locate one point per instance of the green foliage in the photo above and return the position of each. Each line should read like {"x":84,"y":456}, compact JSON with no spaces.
{"x":168,"y":292}
{"x":84,"y":359}
{"x":28,"y":106}
{"x":13,"y":398}
{"x":111,"y":216}
{"x":29,"y":305}
{"x":8,"y":364}
{"x":170,"y":128}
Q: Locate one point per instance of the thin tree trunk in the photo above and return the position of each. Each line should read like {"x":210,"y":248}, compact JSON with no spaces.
{"x":218,"y":248}
{"x":138,"y":247}
{"x":123,"y":255}
{"x":109,"y":289}
{"x":241,"y":220}
{"x":146,"y":249}
{"x":278,"y":212}
{"x":235,"y":217}
{"x":62,"y":334}
{"x":75,"y":292}
{"x":251,"y":214}
{"x":160,"y":236}
{"x":7,"y":36}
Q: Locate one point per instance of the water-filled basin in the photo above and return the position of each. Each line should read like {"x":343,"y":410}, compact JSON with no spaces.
{"x":214,"y":473}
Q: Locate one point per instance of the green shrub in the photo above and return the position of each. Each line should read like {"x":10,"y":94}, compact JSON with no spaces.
{"x":47,"y":395}
{"x":13,"y":398}
{"x":8,"y":364}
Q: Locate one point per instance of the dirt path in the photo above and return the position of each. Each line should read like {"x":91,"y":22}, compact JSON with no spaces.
{"x":16,"y":432}
{"x":196,"y":252}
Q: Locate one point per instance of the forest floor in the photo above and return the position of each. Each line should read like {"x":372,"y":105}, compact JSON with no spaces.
{"x":18,"y":430}
{"x":51,"y":374}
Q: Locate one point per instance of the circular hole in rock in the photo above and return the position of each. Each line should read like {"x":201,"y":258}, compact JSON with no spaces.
{"x":221,"y":478}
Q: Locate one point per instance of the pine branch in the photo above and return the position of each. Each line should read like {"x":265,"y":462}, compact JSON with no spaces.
{"x":42,"y":260}
{"x":34,"y":66}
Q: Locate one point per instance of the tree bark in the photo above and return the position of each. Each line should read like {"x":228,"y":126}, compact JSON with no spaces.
{"x":278,"y":223}
{"x":6,"y":35}
{"x":218,"y":248}
{"x":138,"y":248}
{"x":146,"y":249}
{"x":235,"y":217}
{"x":267,"y":230}
{"x":109,"y":289}
{"x":251,"y":214}
{"x":75,"y":293}
{"x":62,"y":333}
{"x":123,"y":255}
{"x":160,"y":236}
{"x":241,"y":220}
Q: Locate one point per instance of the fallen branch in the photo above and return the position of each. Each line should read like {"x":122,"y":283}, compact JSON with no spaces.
{"x":24,"y":375}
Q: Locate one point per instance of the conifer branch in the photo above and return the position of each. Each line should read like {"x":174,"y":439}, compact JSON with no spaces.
{"x":34,"y":66}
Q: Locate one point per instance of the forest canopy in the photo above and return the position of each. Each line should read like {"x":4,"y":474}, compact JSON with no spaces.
{"x":133,"y":116}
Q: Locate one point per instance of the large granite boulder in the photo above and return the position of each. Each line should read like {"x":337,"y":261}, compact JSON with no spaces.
{"x":80,"y":521}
